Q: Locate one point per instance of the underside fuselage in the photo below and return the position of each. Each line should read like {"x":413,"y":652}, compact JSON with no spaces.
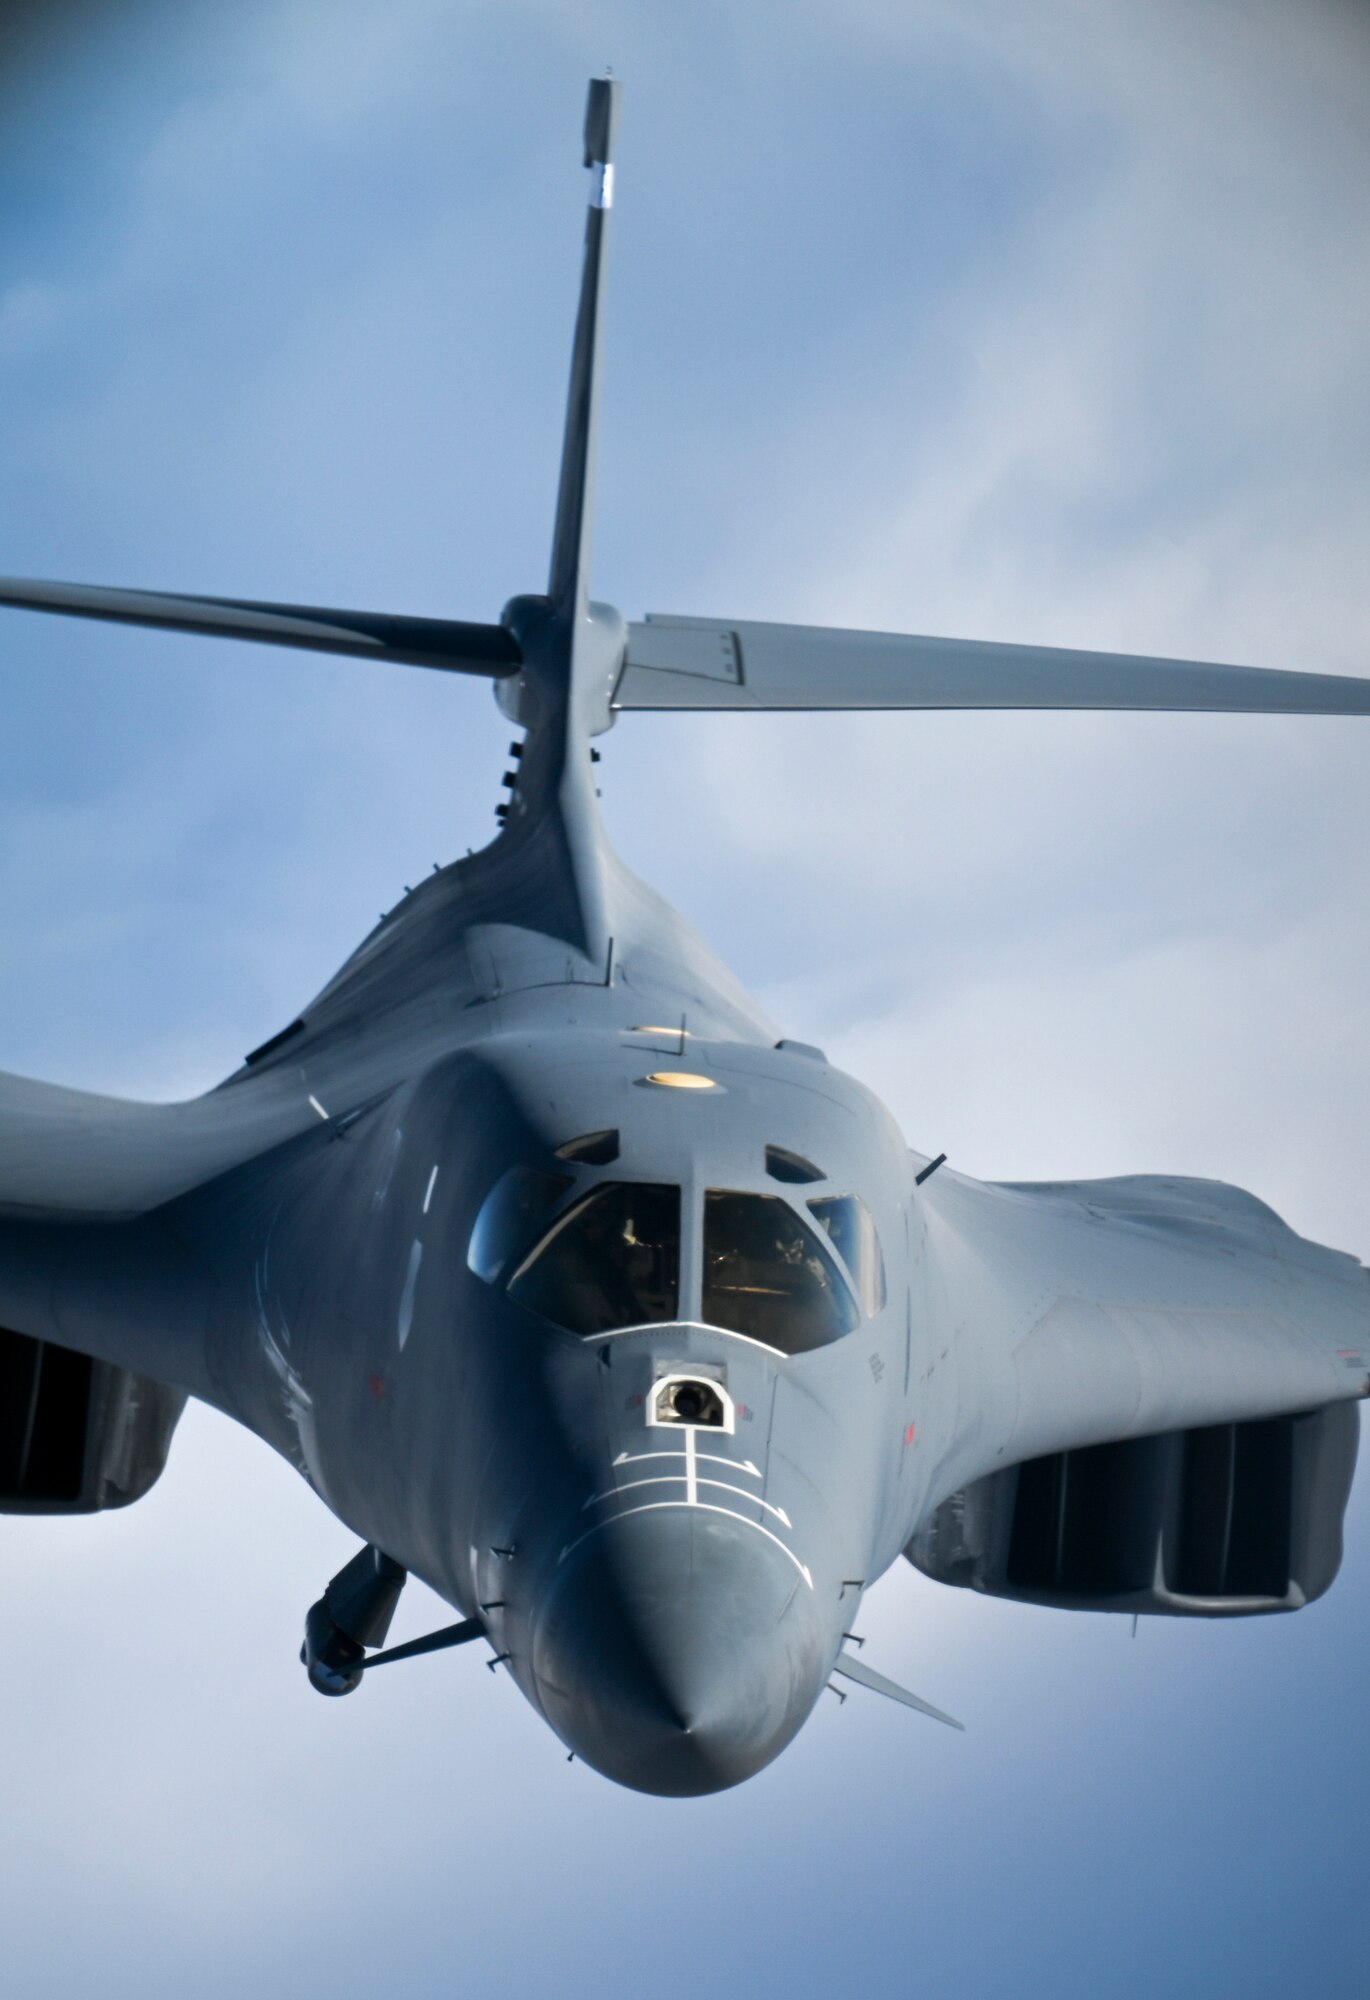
{"x":562,"y":1280}
{"x":671,"y":1593}
{"x":624,"y":1323}
{"x":621,"y":1321}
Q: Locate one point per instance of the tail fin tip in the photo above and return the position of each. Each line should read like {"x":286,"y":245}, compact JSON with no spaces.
{"x":601,"y":120}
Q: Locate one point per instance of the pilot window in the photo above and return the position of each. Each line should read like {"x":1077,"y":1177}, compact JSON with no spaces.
{"x":612,"y":1260}
{"x":768,"y":1275}
{"x":509,"y":1216}
{"x":851,"y":1232}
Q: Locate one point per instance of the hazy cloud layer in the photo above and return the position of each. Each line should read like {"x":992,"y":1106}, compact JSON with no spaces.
{"x":1047,"y":324}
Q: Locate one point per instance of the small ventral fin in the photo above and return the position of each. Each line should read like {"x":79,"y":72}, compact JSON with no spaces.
{"x":460,"y":1634}
{"x":853,"y":1669}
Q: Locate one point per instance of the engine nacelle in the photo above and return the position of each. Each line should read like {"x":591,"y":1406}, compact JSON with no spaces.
{"x":77,"y":1435}
{"x":1219,"y":1522}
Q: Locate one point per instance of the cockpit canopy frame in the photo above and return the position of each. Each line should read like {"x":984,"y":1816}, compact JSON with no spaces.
{"x":595,"y":1254}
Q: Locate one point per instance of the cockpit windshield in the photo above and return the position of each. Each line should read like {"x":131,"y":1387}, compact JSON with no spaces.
{"x":851,"y":1231}
{"x":769,"y":1275}
{"x":513,"y":1209}
{"x":611,"y":1260}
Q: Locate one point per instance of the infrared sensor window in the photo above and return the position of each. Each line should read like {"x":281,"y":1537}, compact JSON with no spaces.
{"x":792,"y":1167}
{"x":591,"y":1149}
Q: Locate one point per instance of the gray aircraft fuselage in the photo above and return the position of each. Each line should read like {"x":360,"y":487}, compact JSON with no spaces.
{"x":632,"y":1328}
{"x":672,"y":1597}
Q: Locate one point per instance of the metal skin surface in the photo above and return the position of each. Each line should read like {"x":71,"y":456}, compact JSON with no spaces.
{"x":674,"y":1616}
{"x":293,"y":1249}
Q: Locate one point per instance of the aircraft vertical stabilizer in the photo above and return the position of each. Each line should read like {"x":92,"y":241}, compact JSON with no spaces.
{"x":567,"y":580}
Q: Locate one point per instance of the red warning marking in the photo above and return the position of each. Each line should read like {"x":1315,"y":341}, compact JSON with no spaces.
{"x":1349,"y":1354}
{"x":376,"y":1384}
{"x":910,"y":1433}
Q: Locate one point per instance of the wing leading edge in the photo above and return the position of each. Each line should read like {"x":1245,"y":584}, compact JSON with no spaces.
{"x":445,"y":644}
{"x":700,"y":663}
{"x":1121,"y":1308}
{"x":1161,"y":1371}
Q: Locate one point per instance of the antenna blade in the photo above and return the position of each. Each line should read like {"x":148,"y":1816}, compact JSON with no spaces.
{"x":701,"y":663}
{"x":413,"y":642}
{"x":567,"y":582}
{"x":853,"y":1669}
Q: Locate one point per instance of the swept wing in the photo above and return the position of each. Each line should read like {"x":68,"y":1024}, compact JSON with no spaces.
{"x":446,"y":644}
{"x":1162,"y":1375}
{"x":700,"y":663}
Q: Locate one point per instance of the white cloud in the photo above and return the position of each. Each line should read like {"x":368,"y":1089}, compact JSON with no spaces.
{"x":1057,"y":944}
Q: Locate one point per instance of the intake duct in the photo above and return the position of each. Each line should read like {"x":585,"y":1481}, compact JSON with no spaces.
{"x":77,"y":1435}
{"x":1229,"y":1519}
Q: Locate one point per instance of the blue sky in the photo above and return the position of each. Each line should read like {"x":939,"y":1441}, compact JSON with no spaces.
{"x":1046,"y":323}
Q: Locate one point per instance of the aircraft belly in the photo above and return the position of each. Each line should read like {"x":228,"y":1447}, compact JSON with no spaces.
{"x":439,"y":1240}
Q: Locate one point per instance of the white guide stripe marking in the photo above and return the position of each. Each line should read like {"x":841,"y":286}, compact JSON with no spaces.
{"x":406,"y":1318}
{"x":714,"y":1458}
{"x":691,"y":1470}
{"x":432,"y":1183}
{"x":703,"y":1507}
{"x":738,"y":1465}
{"x":691,"y":1494}
{"x":602,"y":191}
{"x":654,"y":1326}
{"x":318,"y":1107}
{"x":657,"y":1479}
{"x":723,"y":1487}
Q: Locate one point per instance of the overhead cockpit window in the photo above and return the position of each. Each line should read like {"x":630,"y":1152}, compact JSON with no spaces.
{"x":769,"y":1275}
{"x":783,"y":1166}
{"x":510,"y":1216}
{"x":851,"y":1231}
{"x":592,"y":1149}
{"x":612,"y":1260}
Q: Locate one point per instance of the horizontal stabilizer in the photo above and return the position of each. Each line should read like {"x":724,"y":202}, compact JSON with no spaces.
{"x":411,"y":642}
{"x":853,"y":1669}
{"x":699,"y":663}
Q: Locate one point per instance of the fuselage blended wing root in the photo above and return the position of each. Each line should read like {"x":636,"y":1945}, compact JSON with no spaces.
{"x":627,"y":1323}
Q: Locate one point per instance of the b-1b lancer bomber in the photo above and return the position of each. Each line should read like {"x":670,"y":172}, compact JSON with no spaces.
{"x":629,"y":1324}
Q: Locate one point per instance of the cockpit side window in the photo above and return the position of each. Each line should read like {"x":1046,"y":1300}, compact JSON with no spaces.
{"x":612,"y":1260}
{"x":851,"y":1231}
{"x":769,"y":1275}
{"x":509,"y":1217}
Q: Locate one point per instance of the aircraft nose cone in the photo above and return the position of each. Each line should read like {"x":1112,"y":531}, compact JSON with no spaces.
{"x":678,"y":1651}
